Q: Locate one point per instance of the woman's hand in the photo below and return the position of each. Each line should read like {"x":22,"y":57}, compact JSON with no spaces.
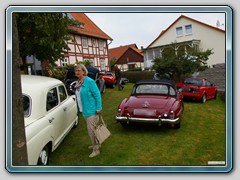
{"x":98,"y":112}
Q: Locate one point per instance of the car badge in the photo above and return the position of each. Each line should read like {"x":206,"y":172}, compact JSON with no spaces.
{"x":146,"y":104}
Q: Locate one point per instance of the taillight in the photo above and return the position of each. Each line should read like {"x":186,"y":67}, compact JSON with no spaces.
{"x":119,"y":112}
{"x":171,"y":115}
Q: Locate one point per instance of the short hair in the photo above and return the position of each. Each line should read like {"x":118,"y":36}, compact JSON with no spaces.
{"x":82,"y":67}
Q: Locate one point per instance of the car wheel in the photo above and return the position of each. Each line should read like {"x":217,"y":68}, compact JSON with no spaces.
{"x":204,"y":98}
{"x":113,"y":85}
{"x":43,"y":156}
{"x":215,"y":95}
{"x":124,"y":124}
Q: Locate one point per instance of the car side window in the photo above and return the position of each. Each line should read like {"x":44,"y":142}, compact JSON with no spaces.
{"x":62,"y":93}
{"x":52,"y":99}
{"x":26,"y":105}
{"x":172,"y":91}
{"x":208,"y":83}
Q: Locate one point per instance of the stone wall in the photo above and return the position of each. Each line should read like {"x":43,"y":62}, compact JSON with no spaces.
{"x":216,"y":75}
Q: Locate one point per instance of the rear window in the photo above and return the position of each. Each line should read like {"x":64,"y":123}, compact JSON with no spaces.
{"x":155,"y":89}
{"x":198,"y":82}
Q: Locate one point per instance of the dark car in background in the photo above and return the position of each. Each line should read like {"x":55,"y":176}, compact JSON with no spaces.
{"x":70,"y":79}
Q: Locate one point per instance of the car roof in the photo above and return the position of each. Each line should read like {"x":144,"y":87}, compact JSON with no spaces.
{"x":37,"y":87}
{"x":153,"y":81}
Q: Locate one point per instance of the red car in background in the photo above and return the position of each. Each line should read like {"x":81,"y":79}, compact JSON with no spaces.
{"x":109,"y":78}
{"x":197,"y":89}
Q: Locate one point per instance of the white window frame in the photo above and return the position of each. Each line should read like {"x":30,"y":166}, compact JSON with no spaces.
{"x":102,"y":64}
{"x":64,"y":62}
{"x":101,"y":44}
{"x":85,"y":42}
{"x":179,"y":31}
{"x":188,"y":29}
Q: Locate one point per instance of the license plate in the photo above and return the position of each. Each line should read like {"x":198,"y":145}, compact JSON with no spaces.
{"x":144,"y":112}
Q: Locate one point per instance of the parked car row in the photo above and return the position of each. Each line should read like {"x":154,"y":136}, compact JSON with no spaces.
{"x":103,"y":80}
{"x":50,"y":111}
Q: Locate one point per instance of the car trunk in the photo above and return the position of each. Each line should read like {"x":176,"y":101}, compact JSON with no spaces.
{"x":148,"y":105}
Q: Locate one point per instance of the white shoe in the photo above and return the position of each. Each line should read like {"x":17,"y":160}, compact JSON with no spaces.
{"x":91,"y":146}
{"x":94,"y":153}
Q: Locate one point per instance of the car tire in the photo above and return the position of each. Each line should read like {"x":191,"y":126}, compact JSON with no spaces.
{"x":124,"y":124}
{"x":44,"y":156}
{"x":204,"y":98}
{"x":113,"y":85}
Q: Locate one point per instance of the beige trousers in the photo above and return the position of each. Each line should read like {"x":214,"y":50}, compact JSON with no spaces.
{"x":91,"y":126}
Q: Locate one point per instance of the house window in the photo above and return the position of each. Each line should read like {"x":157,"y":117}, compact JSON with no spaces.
{"x":179,"y":31}
{"x":188,"y":29}
{"x":156,"y":53}
{"x":94,"y":42}
{"x":150,"y":54}
{"x":84,"y":42}
{"x":64,"y":62}
{"x":101,"y":45}
{"x":102,"y":63}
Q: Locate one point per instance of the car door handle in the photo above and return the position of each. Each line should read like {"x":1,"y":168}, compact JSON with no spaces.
{"x":65,"y":108}
{"x":51,"y":120}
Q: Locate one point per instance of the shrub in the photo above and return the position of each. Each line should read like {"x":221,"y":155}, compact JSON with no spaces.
{"x":135,"y":76}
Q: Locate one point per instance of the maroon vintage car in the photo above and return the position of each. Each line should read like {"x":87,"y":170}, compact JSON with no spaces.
{"x":152,"y":101}
{"x":197,"y":89}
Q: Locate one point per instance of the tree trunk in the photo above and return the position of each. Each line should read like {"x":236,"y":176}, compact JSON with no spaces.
{"x":19,"y":151}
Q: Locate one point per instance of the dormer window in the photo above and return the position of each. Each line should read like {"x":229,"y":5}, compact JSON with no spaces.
{"x":179,"y":31}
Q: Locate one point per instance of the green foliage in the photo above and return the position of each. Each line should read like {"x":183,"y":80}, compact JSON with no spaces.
{"x":44,"y":35}
{"x":181,"y":64}
{"x":135,"y":76}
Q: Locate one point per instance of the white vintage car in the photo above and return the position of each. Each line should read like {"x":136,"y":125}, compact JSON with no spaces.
{"x":49,"y":115}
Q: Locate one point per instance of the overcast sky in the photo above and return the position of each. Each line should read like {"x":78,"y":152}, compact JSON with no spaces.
{"x":143,"y":28}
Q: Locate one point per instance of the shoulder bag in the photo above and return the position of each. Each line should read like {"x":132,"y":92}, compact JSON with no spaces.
{"x":102,"y":132}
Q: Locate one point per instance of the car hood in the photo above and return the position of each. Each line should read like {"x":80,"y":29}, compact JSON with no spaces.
{"x":150,"y":101}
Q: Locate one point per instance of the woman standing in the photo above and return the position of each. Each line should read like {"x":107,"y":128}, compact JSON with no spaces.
{"x":89,"y":102}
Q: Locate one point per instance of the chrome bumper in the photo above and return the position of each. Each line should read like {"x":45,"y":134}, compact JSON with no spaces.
{"x":147,"y":120}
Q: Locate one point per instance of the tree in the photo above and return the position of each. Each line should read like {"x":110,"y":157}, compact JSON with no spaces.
{"x":19,"y":151}
{"x":179,"y":64}
{"x":44,"y":35}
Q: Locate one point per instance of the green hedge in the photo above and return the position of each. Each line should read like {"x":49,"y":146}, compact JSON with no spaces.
{"x":135,"y":76}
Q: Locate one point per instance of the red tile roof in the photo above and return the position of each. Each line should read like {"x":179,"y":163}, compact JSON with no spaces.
{"x":182,"y":16}
{"x":116,"y":53}
{"x":89,"y":27}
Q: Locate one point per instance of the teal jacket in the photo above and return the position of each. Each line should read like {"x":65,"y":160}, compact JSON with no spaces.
{"x":90,"y":97}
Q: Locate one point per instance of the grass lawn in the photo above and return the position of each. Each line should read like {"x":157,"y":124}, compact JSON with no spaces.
{"x":200,"y":139}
